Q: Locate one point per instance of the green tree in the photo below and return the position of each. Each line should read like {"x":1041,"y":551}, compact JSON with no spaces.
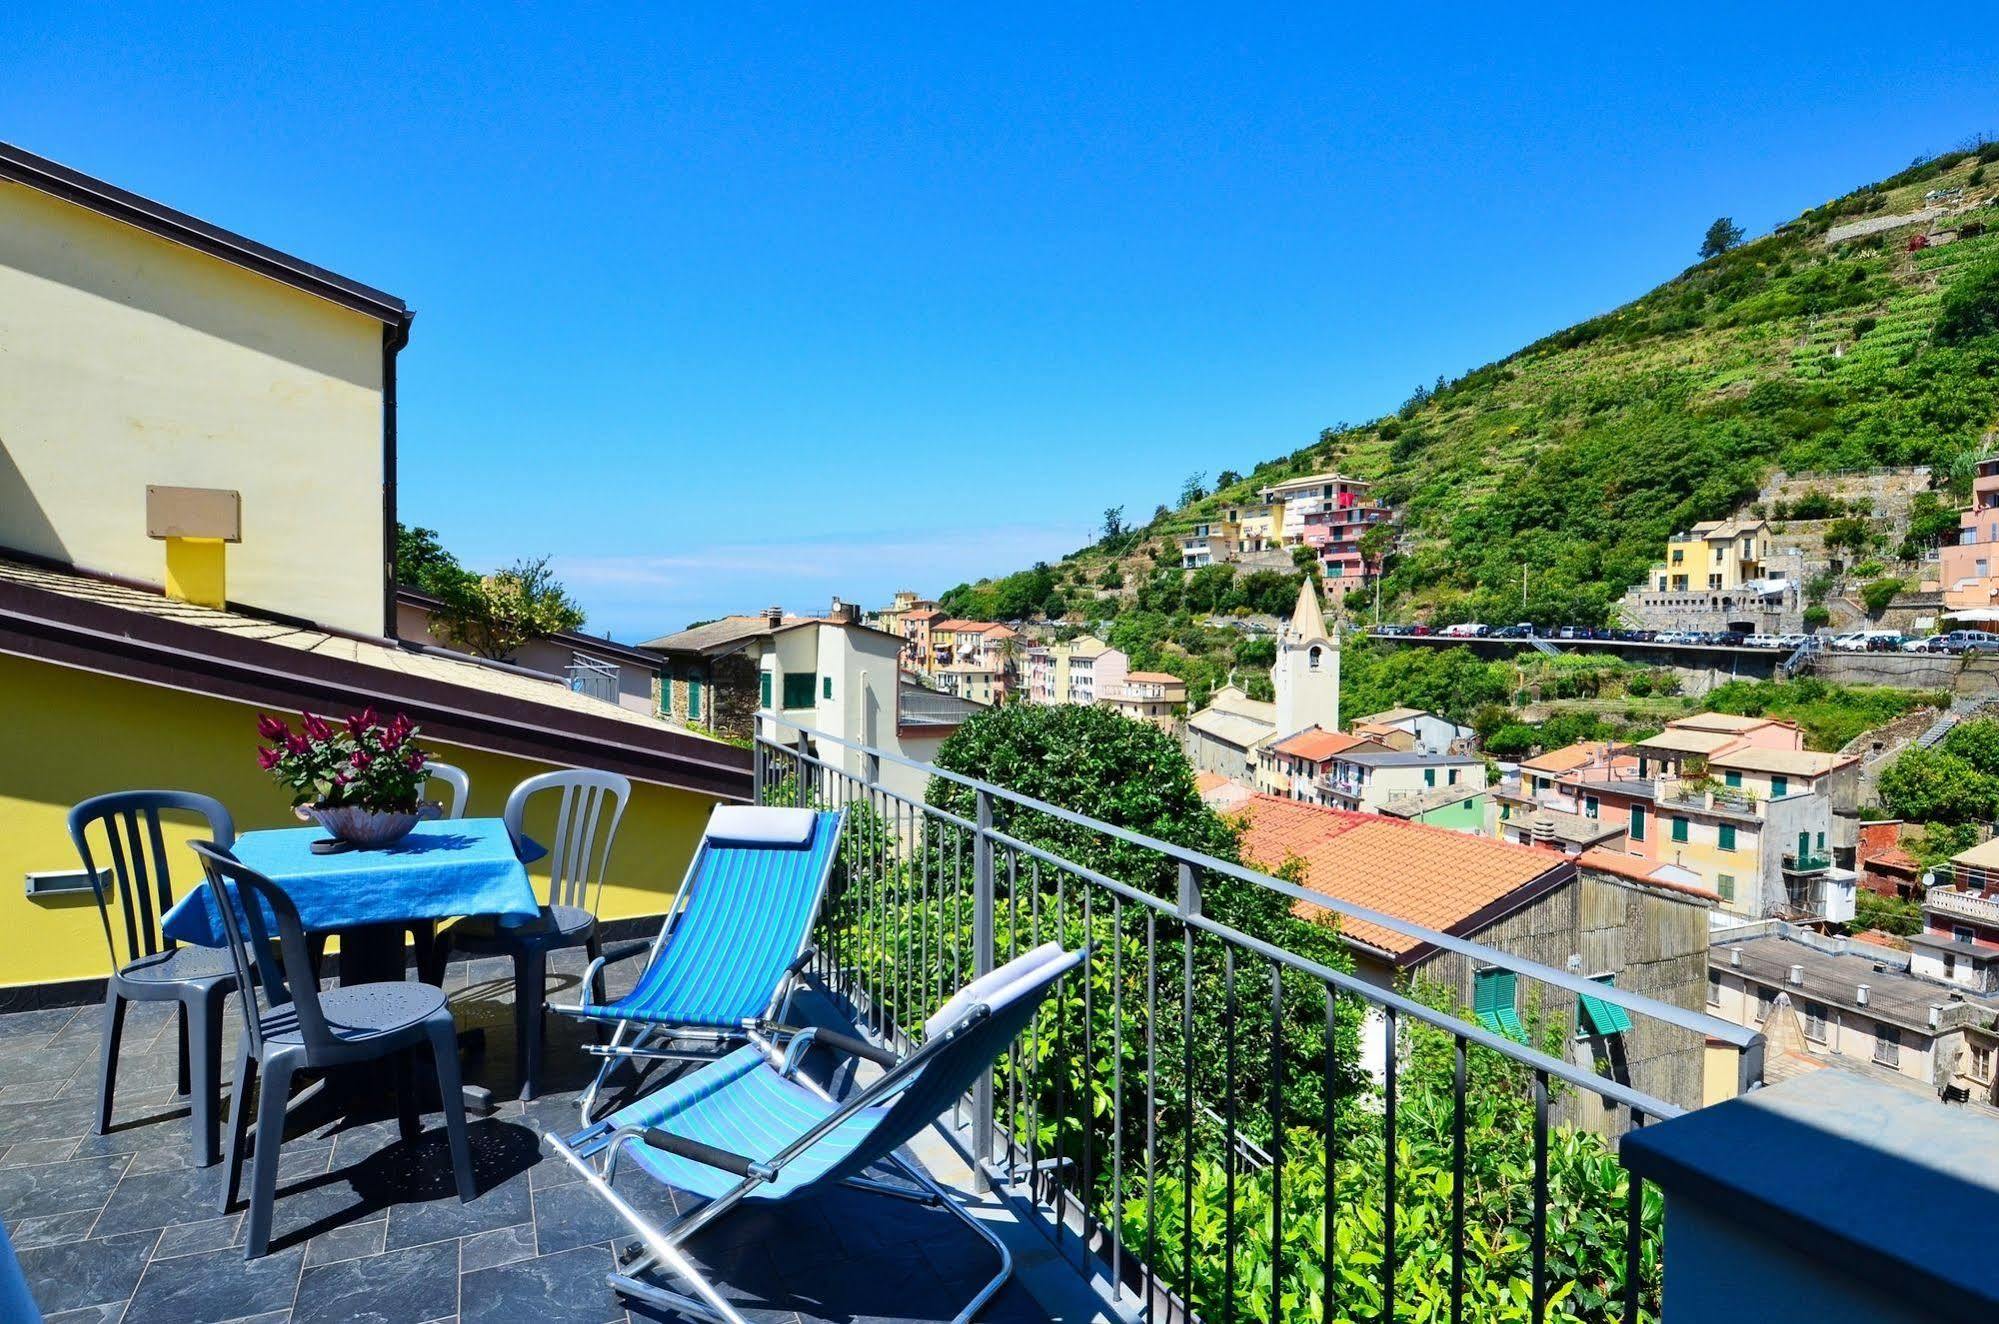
{"x":1935,"y":785}
{"x":1877,"y":595}
{"x":423,"y":564}
{"x":1193,"y":488}
{"x":495,"y":615}
{"x":1970,"y":308}
{"x":1721,"y":236}
{"x":1113,"y":524}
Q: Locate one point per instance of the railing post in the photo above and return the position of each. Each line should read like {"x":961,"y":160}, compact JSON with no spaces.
{"x":1189,"y":900}
{"x":757,"y":770}
{"x":984,"y":954}
{"x":804,"y":792}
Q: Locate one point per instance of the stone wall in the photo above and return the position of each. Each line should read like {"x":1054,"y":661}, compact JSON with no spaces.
{"x":1655,"y":944}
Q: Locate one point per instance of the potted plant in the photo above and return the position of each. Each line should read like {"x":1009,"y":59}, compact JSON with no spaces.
{"x":359,"y":779}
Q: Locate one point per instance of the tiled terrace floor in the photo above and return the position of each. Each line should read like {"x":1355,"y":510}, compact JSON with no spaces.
{"x":120,"y":1228}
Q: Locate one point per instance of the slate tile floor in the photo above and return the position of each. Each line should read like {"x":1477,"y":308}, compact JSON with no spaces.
{"x":118,"y":1229}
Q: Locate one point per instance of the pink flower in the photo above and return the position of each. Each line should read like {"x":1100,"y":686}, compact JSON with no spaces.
{"x":316,"y":728}
{"x":340,"y":779}
{"x":359,"y":760}
{"x":270,"y":728}
{"x":297,"y":743}
{"x":414,"y":760}
{"x":268,"y":758}
{"x":358,"y":723}
{"x":399,"y":729}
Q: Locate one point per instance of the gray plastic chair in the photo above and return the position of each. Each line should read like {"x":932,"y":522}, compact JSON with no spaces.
{"x":575,"y":883}
{"x":153,"y":968}
{"x":298,"y":1028}
{"x":457,"y":780}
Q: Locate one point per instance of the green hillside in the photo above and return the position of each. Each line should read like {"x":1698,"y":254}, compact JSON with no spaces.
{"x":1576,"y":456}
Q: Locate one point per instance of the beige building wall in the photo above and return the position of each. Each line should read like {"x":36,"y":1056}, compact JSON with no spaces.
{"x":126,"y":359}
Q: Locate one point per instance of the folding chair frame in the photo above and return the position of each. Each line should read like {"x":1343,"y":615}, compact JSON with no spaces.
{"x":661,"y":1248}
{"x":639,"y":1047}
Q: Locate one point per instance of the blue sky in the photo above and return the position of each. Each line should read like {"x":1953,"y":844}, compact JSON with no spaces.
{"x":739,"y":305}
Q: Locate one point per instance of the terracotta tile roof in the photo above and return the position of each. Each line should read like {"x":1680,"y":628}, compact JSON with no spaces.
{"x":1316,"y":745}
{"x":1155,"y":677}
{"x":1568,"y":757}
{"x":1428,"y":875}
{"x":1791,"y":762}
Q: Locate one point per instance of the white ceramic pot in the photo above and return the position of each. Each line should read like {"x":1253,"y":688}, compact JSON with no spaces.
{"x":361,"y":827}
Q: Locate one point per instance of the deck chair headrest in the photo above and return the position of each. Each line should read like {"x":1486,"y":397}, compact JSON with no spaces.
{"x":1027,"y":971}
{"x":761,"y":825}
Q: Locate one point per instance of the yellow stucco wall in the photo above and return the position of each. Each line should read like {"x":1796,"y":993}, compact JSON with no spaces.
{"x":127,"y":360}
{"x":66,"y":735}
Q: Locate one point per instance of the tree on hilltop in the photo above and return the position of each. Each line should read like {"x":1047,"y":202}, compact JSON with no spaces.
{"x":1723,"y":235}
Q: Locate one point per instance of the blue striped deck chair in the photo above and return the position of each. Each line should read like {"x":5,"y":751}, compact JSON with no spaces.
{"x":748,"y":1127}
{"x":728,"y":958}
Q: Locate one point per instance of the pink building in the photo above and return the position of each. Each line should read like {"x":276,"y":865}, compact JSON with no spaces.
{"x":1969,"y":572}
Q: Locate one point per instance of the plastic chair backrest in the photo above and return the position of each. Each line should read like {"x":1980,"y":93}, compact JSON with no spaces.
{"x":455,"y":778}
{"x":287,"y":981}
{"x":575,"y":863}
{"x":138,"y":860}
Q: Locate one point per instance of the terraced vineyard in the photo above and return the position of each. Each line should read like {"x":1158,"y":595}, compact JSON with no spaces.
{"x":1575,"y":457}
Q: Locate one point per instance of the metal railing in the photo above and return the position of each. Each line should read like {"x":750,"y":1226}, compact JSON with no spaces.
{"x":592,"y":678}
{"x":1209,"y":1025}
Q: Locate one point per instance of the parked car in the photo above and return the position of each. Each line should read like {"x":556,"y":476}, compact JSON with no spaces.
{"x":1728,"y":638}
{"x":1464,"y":630}
{"x":1931,"y":643}
{"x":1522,"y":630}
{"x":1885,"y":643}
{"x":1978,"y":641}
{"x":1792,"y":641}
{"x":1760,"y":640}
{"x":1395,"y":631}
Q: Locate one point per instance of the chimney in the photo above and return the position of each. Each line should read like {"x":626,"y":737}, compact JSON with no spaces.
{"x":1798,"y":975}
{"x":844,"y":613}
{"x":1936,"y":1015}
{"x":773,"y":616}
{"x":1735,"y":957}
{"x":1860,"y":995}
{"x":196,"y":524}
{"x":1541,"y":830}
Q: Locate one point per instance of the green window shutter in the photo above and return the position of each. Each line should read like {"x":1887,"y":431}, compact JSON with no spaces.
{"x":694,"y":698}
{"x":798,"y":690}
{"x":1429,"y":776}
{"x":1638,"y":822}
{"x":1453,"y":777}
{"x":1591,"y":806}
{"x":1679,"y":829}
{"x":1732,"y":778}
{"x":1724,"y":883}
{"x":763,"y":689}
{"x":826,"y":683}
{"x":1779,"y":787}
{"x":1595,"y":1016}
{"x":1494,"y":1003}
{"x":1727,"y":835}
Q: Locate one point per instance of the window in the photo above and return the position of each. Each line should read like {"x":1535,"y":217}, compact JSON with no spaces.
{"x":798,"y":690}
{"x":1595,"y":1016}
{"x":1679,"y":828}
{"x":825,"y":687}
{"x":1725,"y":836}
{"x":694,"y":698}
{"x":1637,"y":823}
{"x":1963,"y":933}
{"x":763,"y":690}
{"x":1821,"y":843}
{"x":1312,"y":659}
{"x":1494,"y":1002}
{"x":1779,"y":787}
{"x":1724,"y":883}
{"x":1815,"y":1022}
{"x":1713,"y":989}
{"x":1591,"y":806}
{"x":1887,"y":1045}
{"x":1679,"y":556}
{"x":1429,"y":776}
{"x":1764,"y":1000}
{"x":1451,"y":777}
{"x":1731,"y":778}
{"x":1981,"y":1062}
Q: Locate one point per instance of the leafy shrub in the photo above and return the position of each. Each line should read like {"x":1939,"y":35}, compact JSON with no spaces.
{"x":1877,"y":595}
{"x":1862,"y":325}
{"x":1816,"y":616}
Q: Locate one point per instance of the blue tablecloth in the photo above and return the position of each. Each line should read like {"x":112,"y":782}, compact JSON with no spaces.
{"x":463,"y":866}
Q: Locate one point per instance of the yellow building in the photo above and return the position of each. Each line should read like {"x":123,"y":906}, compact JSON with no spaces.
{"x":1714,"y":554}
{"x":183,"y":407}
